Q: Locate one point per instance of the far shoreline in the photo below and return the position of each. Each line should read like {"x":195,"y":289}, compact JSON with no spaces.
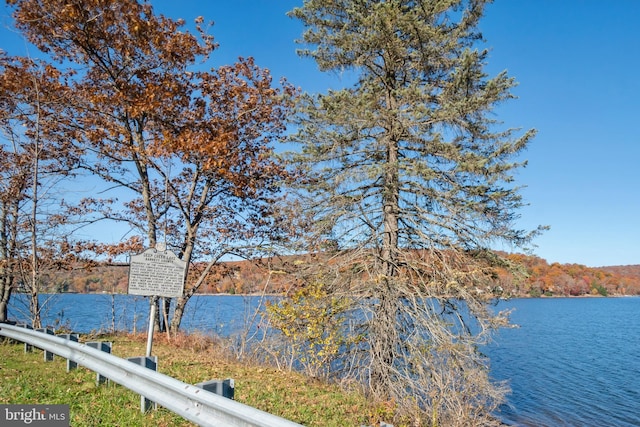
{"x":279,"y":294}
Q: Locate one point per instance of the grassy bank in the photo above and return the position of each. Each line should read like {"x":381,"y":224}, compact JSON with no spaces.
{"x":27,"y":379}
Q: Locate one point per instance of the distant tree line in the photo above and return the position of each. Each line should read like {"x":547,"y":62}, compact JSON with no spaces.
{"x":555,"y":279}
{"x":537,"y":278}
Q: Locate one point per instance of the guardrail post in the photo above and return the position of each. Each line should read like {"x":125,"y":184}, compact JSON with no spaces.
{"x":102,"y":346}
{"x":28,"y":348}
{"x":48,"y":356}
{"x":149,"y":362}
{"x":71,"y":337}
{"x":224,"y":388}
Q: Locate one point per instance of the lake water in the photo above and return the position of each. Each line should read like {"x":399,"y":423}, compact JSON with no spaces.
{"x":571,"y":361}
{"x":84,"y":313}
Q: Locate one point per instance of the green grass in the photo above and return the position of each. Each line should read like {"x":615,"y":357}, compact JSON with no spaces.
{"x":27,"y":379}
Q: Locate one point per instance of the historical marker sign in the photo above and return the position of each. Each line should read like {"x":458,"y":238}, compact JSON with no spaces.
{"x":156,"y":273}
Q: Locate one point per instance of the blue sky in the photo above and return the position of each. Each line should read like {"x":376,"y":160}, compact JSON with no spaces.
{"x":577,"y":65}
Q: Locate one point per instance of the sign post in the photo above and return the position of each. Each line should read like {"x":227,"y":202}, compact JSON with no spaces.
{"x":152,"y":322}
{"x":156,"y":274}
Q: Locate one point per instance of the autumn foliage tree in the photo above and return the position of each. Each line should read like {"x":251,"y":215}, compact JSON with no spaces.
{"x":187,"y":150}
{"x":14,"y":184}
{"x":35,"y":160}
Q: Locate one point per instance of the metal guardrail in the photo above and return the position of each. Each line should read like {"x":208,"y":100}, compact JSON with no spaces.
{"x":189,"y":401}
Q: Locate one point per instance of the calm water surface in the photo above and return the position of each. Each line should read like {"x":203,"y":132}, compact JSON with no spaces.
{"x":571,"y":361}
{"x":84,"y":313}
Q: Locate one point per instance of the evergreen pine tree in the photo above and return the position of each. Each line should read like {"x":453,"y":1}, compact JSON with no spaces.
{"x":410,"y":177}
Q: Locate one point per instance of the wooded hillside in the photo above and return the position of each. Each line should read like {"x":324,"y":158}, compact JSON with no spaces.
{"x":557,"y":279}
{"x":536,"y":278}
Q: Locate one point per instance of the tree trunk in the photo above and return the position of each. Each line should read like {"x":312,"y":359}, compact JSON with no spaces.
{"x":35,"y":287}
{"x":384,"y":333}
{"x":158,"y":326}
{"x":178,"y":312}
{"x":4,"y":306}
{"x":163,"y":313}
{"x":383,"y":340}
{"x":5,"y":295}
{"x":34,"y":307}
{"x":181,"y":302}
